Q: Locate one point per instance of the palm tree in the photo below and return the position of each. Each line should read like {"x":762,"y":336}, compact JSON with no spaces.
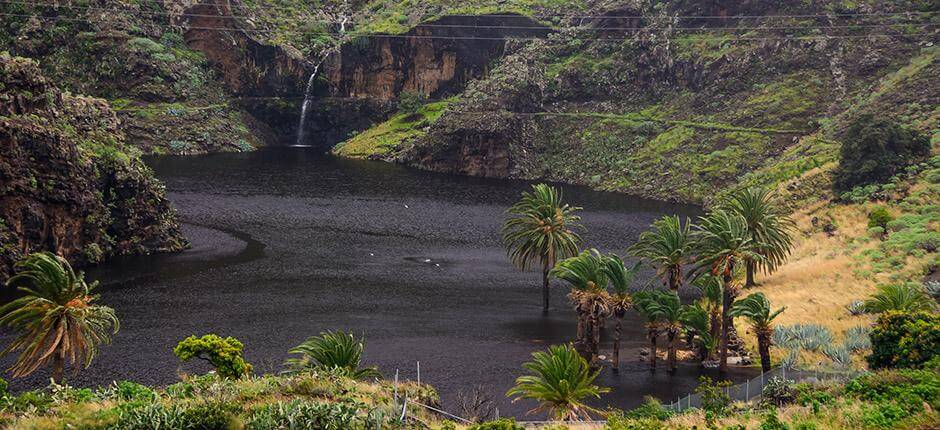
{"x":666,"y":246}
{"x":587,"y":275}
{"x":56,"y":317}
{"x":710,"y":287}
{"x":331,"y":350}
{"x":722,"y":242}
{"x":767,"y":224}
{"x":559,"y":380}
{"x":642,"y":302}
{"x":695,"y":320}
{"x":899,"y":297}
{"x":620,"y":280}
{"x":667,"y":310}
{"x":540,"y":230}
{"x":756,"y":308}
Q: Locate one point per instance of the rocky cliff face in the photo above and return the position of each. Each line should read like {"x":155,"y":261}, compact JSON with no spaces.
{"x":68,"y":181}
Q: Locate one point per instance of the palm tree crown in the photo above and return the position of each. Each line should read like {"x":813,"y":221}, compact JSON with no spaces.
{"x":667,"y":247}
{"x":559,"y":380}
{"x":540,"y":230}
{"x":332,"y":350}
{"x":587,"y":274}
{"x":56,"y":317}
{"x":767,"y":224}
{"x":721,"y":241}
{"x":899,"y":297}
{"x":756,"y":308}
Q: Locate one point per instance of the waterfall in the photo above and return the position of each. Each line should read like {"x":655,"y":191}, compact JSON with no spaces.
{"x":305,"y":105}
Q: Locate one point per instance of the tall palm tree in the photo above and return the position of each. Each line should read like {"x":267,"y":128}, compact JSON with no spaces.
{"x":768,"y":225}
{"x":559,"y":379}
{"x":722,"y":242}
{"x":332,"y":350}
{"x":695,"y":321}
{"x":756,"y":308}
{"x":899,"y":297}
{"x":666,"y":246}
{"x":710,"y":288}
{"x":620,"y":280}
{"x":586,"y":272}
{"x":540,"y":230}
{"x":642,"y":302}
{"x":667,"y":310}
{"x":56,"y":317}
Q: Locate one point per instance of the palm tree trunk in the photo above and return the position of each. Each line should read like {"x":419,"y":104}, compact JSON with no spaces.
{"x":672,"y":350}
{"x":714,"y":328}
{"x":616,"y":353}
{"x":727,"y":302}
{"x":58,"y":366}
{"x":595,"y":336}
{"x":545,"y":291}
{"x":652,"y":336}
{"x":763,"y":347}
{"x":751,"y":267}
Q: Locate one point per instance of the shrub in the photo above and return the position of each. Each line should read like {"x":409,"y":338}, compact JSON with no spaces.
{"x":411,"y":101}
{"x":904,"y":339}
{"x":210,"y":416}
{"x":500,"y":424}
{"x":621,"y":422}
{"x":651,"y":408}
{"x":302,"y":415}
{"x":225,"y":354}
{"x":778,"y":391}
{"x":880,"y":217}
{"x":874,"y":150}
{"x":910,"y":387}
{"x":714,"y":398}
{"x":772,"y":422}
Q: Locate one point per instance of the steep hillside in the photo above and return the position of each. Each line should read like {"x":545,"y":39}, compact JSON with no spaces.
{"x":68,"y":181}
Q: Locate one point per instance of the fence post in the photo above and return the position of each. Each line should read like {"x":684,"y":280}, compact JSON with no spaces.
{"x":419,"y":373}
{"x":747,"y":390}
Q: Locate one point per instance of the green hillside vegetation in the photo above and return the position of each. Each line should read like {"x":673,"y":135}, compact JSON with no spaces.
{"x":391,"y":135}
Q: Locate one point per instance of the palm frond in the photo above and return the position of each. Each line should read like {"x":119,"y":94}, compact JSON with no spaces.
{"x":333,"y":351}
{"x":560,"y":380}
{"x":541,"y":228}
{"x":768,"y":224}
{"x":666,"y":246}
{"x":899,"y":297}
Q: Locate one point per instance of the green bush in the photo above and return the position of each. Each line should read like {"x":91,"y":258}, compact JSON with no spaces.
{"x":304,"y":415}
{"x":225,"y":354}
{"x":651,"y":408}
{"x":874,"y":150}
{"x":500,"y":424}
{"x":778,"y":392}
{"x":624,"y":423}
{"x":902,"y":339}
{"x":879,"y":217}
{"x":714,"y":398}
{"x":909,"y":387}
{"x":772,"y":421}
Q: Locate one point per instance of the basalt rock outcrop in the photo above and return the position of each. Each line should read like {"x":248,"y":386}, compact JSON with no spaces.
{"x":68,"y":181}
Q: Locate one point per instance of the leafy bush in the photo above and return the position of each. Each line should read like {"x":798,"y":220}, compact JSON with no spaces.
{"x":772,"y":422}
{"x":210,"y":416}
{"x":500,"y":424}
{"x":651,"y":408}
{"x":300,"y":414}
{"x":895,"y":395}
{"x":225,"y":354}
{"x":620,"y":422}
{"x":714,"y":398}
{"x":904,"y":339}
{"x":778,"y":391}
{"x":411,"y":101}
{"x":880,"y":217}
{"x":874,"y":150}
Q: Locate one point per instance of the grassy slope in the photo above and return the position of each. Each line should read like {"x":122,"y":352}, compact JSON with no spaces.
{"x":388,"y":136}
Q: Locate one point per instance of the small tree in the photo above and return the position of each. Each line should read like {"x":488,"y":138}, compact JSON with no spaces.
{"x":756,"y":309}
{"x":902,"y":339}
{"x":875,"y":149}
{"x":225,"y":354}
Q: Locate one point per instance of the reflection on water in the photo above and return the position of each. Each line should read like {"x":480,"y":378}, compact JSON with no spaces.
{"x":288,"y":242}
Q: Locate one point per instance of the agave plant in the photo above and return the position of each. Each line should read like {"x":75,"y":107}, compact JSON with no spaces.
{"x":857,"y":338}
{"x":540,"y":231}
{"x":559,"y":380}
{"x":768,"y":226}
{"x":57,"y":318}
{"x":899,"y":297}
{"x":839,"y":354}
{"x":587,"y":275}
{"x":756,"y":309}
{"x":334,"y":351}
{"x":811,"y":337}
{"x":856,"y":308}
{"x":667,"y":247}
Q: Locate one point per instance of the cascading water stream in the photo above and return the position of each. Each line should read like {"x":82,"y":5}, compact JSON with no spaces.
{"x":305,"y":105}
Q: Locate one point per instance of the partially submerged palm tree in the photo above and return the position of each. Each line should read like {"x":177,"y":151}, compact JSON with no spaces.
{"x":620,"y":280}
{"x":722,"y":242}
{"x":767,"y":224}
{"x":587,"y":275}
{"x":710,"y":287}
{"x":642,"y":302}
{"x":665,"y":308}
{"x":56,"y":317}
{"x":560,"y":380}
{"x":334,"y":351}
{"x":666,"y":246}
{"x":899,"y":297}
{"x":695,"y":321}
{"x":540,"y":231}
{"x":756,"y":308}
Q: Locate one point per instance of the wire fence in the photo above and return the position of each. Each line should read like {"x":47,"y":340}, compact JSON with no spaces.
{"x":754,"y":387}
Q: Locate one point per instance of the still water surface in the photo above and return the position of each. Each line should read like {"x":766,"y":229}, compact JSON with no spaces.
{"x":288,"y":243}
